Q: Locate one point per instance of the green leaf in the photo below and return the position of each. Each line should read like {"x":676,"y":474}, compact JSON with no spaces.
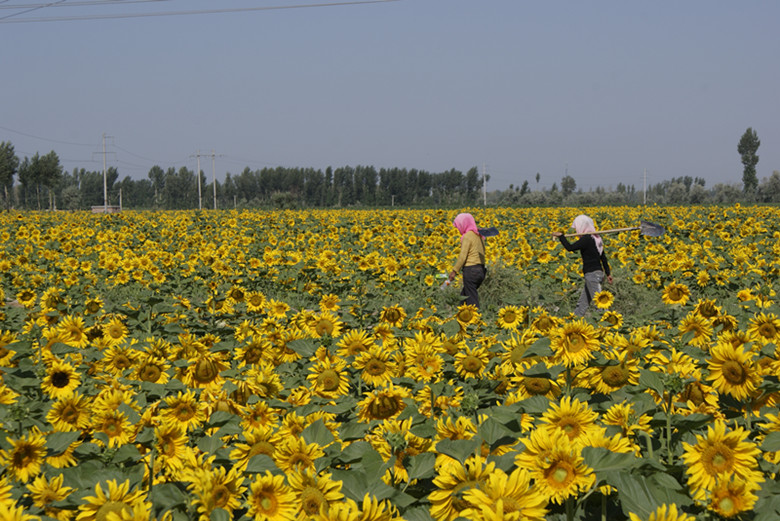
{"x":352,"y":431}
{"x":651,"y":380}
{"x":604,"y":461}
{"x":57,"y":442}
{"x":318,"y":433}
{"x":491,"y":431}
{"x":539,"y":348}
{"x":261,"y":463}
{"x":306,"y":347}
{"x":421,"y":466}
{"x":644,"y":494}
{"x":458,"y":449}
{"x":771,"y":442}
{"x":219,"y":514}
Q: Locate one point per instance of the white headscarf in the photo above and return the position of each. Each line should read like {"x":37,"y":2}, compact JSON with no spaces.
{"x":583,"y":225}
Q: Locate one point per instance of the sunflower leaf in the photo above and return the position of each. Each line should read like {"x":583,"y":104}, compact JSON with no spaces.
{"x":651,"y":380}
{"x":458,"y":449}
{"x":261,"y":463}
{"x":57,"y":442}
{"x":318,"y":433}
{"x":421,"y":466}
{"x":771,"y":442}
{"x":539,"y":348}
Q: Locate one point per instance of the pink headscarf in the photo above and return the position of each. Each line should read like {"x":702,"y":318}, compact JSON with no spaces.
{"x":584,"y":225}
{"x":465,"y":222}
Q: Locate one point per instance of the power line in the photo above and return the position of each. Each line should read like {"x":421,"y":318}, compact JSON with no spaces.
{"x":34,"y":8}
{"x":10,"y":20}
{"x":47,"y":139}
{"x":76,"y":4}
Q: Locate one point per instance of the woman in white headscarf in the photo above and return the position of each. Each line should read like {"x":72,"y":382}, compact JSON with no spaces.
{"x":594,"y":261}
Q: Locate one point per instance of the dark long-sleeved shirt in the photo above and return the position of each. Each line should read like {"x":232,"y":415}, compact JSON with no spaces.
{"x":592,"y":260}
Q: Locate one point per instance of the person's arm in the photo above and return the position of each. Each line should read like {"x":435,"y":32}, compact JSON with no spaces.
{"x":605,"y":265}
{"x":578,"y":245}
{"x":464,"y":253}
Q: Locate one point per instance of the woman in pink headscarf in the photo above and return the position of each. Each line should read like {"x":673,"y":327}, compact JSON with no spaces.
{"x":471,"y":259}
{"x":594,"y":261}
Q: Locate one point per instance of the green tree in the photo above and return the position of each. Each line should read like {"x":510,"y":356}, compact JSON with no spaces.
{"x":748,"y":148}
{"x":9,"y":163}
{"x":568,"y":185}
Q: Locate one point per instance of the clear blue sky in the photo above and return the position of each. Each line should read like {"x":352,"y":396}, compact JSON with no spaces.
{"x":602,"y":90}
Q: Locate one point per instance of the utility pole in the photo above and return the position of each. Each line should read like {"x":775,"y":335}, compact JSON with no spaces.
{"x":200,"y":200}
{"x":484,"y":185}
{"x":105,"y":178}
{"x":644,"y":189}
{"x":214,"y":178}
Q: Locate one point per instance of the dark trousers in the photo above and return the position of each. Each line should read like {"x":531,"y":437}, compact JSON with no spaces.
{"x":472,"y":280}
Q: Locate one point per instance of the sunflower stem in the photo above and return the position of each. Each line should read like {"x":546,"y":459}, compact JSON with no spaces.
{"x":569,"y":509}
{"x":670,"y":456}
{"x":603,"y":507}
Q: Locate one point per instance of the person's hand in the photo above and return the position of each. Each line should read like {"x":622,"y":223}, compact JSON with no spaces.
{"x":609,"y":279}
{"x":557,"y":234}
{"x":453,"y":275}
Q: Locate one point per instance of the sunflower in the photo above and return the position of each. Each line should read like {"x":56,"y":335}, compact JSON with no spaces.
{"x":732,"y":496}
{"x":423,"y":364}
{"x":376,"y":366}
{"x":115,"y":331}
{"x":316,"y":492}
{"x":354,"y":342}
{"x":452,"y":481}
{"x":71,"y":413}
{"x":733,"y":371}
{"x":24,"y":457}
{"x":271,"y":500}
{"x":117,"y":499}
{"x":170,"y":443}
{"x":7,"y":395}
{"x":116,"y":426}
{"x":26,"y":298}
{"x":720,"y":452}
{"x":93,"y":305}
{"x":330,"y":302}
{"x":603,"y":299}
{"x":373,"y":509}
{"x":119,"y":358}
{"x":612,"y":319}
{"x":326,"y":324}
{"x":543,"y":322}
{"x":624,"y":416}
{"x":556,"y":466}
{"x":571,"y":417}
{"x":664,"y":513}
{"x":217,"y":488}
{"x":184,"y":410}
{"x":467,"y":314}
{"x":293,"y":453}
{"x":393,"y":315}
{"x":699,"y":326}
{"x":472,"y":362}
{"x":511,"y":317}
{"x":707,"y":308}
{"x":61,"y":380}
{"x":620,"y":371}
{"x":203,"y":371}
{"x":152,"y":369}
{"x":256,"y":441}
{"x":14,"y":513}
{"x":255,"y":301}
{"x":277,"y":309}
{"x":676,"y":294}
{"x":258,"y":415}
{"x":45,"y":492}
{"x":329,"y":378}
{"x":74,"y":331}
{"x":382,"y":404}
{"x":510,"y":495}
{"x":765,"y":327}
{"x":573,"y":343}
{"x":6,"y":355}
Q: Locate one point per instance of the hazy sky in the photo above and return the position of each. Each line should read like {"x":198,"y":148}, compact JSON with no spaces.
{"x":601,"y":90}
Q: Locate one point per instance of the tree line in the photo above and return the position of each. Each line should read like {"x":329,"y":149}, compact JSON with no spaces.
{"x":41,"y":183}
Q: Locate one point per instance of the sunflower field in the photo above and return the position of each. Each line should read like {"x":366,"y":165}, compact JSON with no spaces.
{"x":309,"y":365}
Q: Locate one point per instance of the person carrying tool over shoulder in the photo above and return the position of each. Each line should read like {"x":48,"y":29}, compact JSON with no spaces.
{"x":471,"y":259}
{"x":594,"y":260}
